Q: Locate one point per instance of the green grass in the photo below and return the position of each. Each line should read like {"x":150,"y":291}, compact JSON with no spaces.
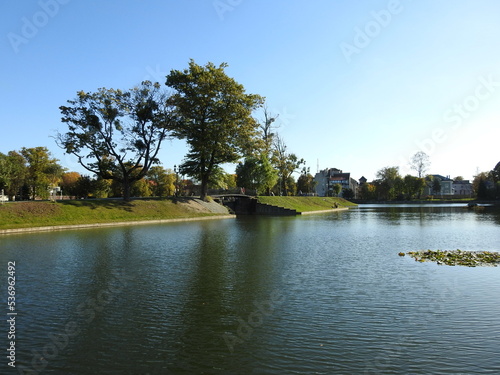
{"x":304,"y":204}
{"x":36,"y":214}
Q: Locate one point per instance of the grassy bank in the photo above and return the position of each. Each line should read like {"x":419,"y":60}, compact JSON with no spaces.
{"x":38,"y":214}
{"x":306,"y":204}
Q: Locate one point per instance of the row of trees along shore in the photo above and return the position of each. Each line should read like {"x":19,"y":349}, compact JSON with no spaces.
{"x":116,"y":136}
{"x":390,"y":185}
{"x":30,"y":172}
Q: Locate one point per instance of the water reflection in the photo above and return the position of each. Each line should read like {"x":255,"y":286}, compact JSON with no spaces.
{"x":313,"y":294}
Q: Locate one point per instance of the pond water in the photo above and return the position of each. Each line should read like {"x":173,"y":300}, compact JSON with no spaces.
{"x":320,"y":294}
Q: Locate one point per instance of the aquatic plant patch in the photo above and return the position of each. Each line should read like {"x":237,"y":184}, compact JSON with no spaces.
{"x":456,"y":257}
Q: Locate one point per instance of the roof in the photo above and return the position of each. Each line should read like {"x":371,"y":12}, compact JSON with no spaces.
{"x":442,"y":178}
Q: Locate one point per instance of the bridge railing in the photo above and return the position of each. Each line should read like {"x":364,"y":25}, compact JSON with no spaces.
{"x":232,"y":191}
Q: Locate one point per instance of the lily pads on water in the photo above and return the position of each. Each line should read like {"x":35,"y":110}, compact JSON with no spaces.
{"x":457,"y":257}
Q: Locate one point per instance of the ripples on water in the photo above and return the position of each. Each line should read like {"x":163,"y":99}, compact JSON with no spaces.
{"x":326,"y":294}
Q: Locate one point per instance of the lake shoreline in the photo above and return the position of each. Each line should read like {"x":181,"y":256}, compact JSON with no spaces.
{"x":111,"y":224}
{"x":426,"y":202}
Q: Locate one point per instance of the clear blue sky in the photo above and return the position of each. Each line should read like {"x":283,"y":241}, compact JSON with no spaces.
{"x":358,"y":85}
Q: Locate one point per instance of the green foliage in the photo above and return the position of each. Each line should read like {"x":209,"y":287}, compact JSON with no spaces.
{"x":141,"y":188}
{"x":83,"y":187}
{"x":368,"y":191}
{"x":215,"y":118}
{"x":286,"y":164}
{"x":87,"y":187}
{"x":306,"y":183}
{"x":256,"y":174}
{"x":42,"y":171}
{"x":348,"y":193}
{"x":230,"y":180}
{"x":389,"y":183}
{"x":218,"y":179}
{"x":117,"y":135}
{"x":267,"y":131}
{"x":69,"y":182}
{"x":101,"y":188}
{"x":495,"y":172}
{"x":336,"y":189}
{"x":4,"y":171}
{"x":162,"y":181}
{"x":13,"y":173}
{"x":413,"y":186}
{"x":436,"y":185}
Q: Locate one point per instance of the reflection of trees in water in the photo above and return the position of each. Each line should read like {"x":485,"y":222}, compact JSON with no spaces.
{"x":395,"y":214}
{"x":488,"y":212}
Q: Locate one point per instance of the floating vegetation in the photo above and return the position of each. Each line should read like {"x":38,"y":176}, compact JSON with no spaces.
{"x":457,"y":257}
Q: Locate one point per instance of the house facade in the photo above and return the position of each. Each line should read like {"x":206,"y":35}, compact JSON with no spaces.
{"x":327,"y":178}
{"x":462,"y":188}
{"x":446,"y":185}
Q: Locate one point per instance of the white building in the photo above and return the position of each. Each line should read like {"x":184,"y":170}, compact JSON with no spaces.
{"x":327,"y":178}
{"x":463,"y":188}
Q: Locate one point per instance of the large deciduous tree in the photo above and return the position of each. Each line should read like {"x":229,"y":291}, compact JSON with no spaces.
{"x":413,"y":186}
{"x":267,"y":130}
{"x":389,"y":183}
{"x":42,"y":171}
{"x":420,"y":162}
{"x":256,"y":173}
{"x":163,"y":181}
{"x":305,"y":182}
{"x":115,"y":134}
{"x":12,"y":173}
{"x":216,"y":118}
{"x":69,"y":182}
{"x":286,"y":164}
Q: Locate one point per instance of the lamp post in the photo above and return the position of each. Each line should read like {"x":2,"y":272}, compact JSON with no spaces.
{"x":176,"y":170}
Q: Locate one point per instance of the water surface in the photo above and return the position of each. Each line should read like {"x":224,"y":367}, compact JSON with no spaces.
{"x":321,"y":294}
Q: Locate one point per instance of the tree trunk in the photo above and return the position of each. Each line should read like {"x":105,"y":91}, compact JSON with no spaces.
{"x":204,"y":187}
{"x":126,"y":190}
